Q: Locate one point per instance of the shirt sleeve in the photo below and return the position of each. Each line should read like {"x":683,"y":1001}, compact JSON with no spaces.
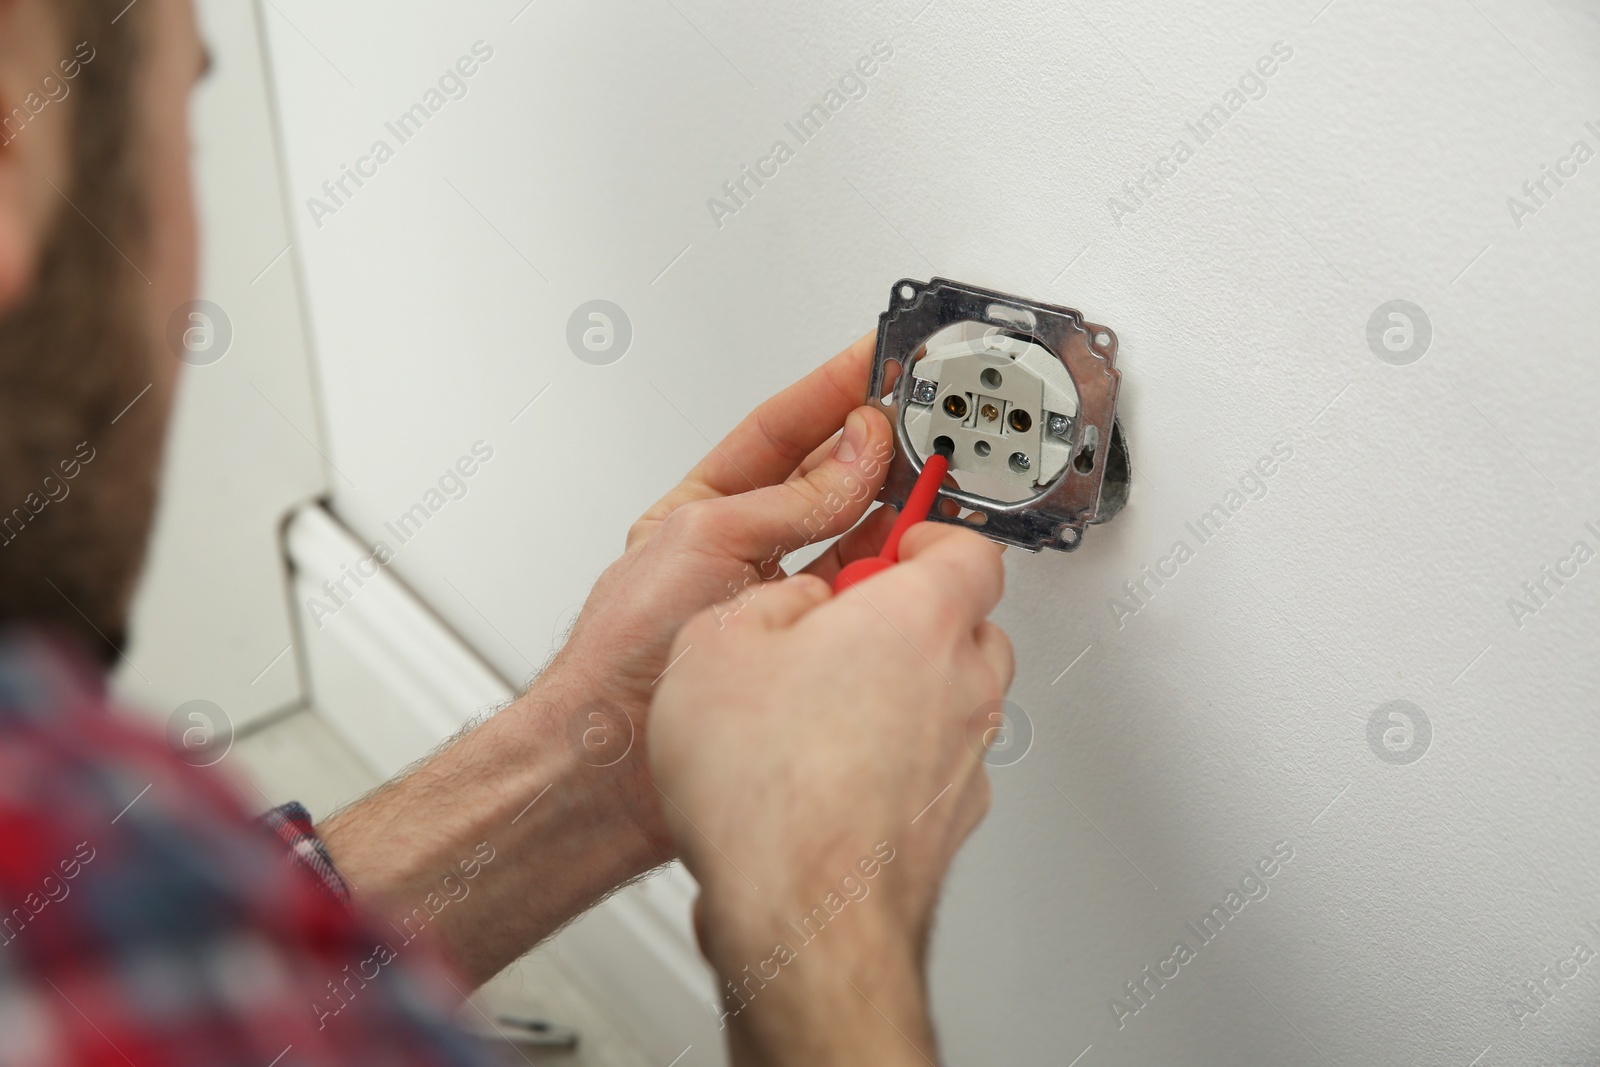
{"x":291,"y":825}
{"x":147,"y":918}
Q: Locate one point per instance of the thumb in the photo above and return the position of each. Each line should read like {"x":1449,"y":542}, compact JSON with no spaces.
{"x":778,"y":519}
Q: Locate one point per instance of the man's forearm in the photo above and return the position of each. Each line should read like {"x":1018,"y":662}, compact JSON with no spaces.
{"x":500,"y":839}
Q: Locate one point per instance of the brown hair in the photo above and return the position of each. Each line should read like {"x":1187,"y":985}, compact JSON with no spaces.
{"x":77,"y":488}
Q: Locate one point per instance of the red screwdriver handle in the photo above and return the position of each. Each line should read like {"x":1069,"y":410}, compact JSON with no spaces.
{"x":917,"y":504}
{"x":915,"y":511}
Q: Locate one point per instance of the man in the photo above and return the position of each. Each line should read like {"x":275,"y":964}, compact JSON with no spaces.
{"x":785,"y":754}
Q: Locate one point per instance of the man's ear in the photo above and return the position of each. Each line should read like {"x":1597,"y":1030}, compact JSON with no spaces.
{"x":35,"y":140}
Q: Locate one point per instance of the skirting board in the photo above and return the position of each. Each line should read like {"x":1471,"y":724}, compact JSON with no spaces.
{"x":394,"y":682}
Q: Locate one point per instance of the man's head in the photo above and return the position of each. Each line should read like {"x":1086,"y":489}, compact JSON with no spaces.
{"x":97,"y":250}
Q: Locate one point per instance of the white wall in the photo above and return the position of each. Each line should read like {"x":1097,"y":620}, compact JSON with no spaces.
{"x":1231,"y":711}
{"x":212,"y":619}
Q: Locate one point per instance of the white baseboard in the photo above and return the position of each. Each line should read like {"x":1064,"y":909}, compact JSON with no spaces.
{"x":393,"y":681}
{"x":389,"y":677}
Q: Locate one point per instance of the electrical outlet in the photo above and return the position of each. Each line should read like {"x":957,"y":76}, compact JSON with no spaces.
{"x":993,"y":402}
{"x":1021,"y":397}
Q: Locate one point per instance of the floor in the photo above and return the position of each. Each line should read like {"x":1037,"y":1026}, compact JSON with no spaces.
{"x":297,"y":757}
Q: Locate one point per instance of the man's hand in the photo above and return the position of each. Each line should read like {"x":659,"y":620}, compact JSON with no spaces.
{"x":557,"y":787}
{"x":785,"y":477}
{"x":820,"y":768}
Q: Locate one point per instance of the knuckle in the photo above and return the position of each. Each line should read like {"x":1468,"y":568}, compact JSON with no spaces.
{"x":806,"y":497}
{"x":807,"y":586}
{"x":776,"y":437}
{"x":822,"y":510}
{"x":924,"y":535}
{"x":1003,"y":641}
{"x":639,"y":531}
{"x":691,"y":522}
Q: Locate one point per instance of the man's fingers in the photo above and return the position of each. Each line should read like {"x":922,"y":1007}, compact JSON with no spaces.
{"x":865,"y":540}
{"x":779,"y":519}
{"x":764,"y":605}
{"x":947,"y":507}
{"x":815,"y":458}
{"x":776,"y":437}
{"x":782,"y":603}
{"x":944,"y":570}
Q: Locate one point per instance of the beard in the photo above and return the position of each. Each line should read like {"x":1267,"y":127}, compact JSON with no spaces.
{"x":78,"y":466}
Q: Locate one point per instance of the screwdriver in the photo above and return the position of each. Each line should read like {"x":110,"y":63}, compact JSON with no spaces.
{"x":918,"y":502}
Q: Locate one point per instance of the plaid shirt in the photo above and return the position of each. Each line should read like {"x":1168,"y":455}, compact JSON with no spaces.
{"x":145,"y":918}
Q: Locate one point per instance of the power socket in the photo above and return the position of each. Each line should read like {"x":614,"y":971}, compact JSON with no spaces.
{"x":1003,"y":405}
{"x":1020,"y":395}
